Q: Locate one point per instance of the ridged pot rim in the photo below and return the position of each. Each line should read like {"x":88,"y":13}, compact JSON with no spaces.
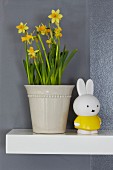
{"x":49,"y":89}
{"x":49,"y":86}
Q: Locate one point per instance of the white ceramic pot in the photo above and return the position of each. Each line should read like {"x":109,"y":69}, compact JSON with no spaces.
{"x":49,"y":106}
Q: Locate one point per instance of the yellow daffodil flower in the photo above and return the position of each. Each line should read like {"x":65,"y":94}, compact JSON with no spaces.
{"x":28,"y":38}
{"x":32,"y":53}
{"x":58,"y":32}
{"x":42,"y":29}
{"x":49,"y":42}
{"x":55,"y":16}
{"x":48,"y":31}
{"x":22,"y":27}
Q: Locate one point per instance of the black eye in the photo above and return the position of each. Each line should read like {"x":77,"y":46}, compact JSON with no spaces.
{"x":97,"y":105}
{"x":87,"y":105}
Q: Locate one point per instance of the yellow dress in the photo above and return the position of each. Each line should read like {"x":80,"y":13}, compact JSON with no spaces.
{"x":88,"y":122}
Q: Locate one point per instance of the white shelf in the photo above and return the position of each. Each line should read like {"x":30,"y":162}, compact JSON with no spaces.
{"x":24,"y":141}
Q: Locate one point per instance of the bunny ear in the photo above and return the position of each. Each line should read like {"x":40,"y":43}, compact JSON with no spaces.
{"x":89,"y":87}
{"x":81,"y":88}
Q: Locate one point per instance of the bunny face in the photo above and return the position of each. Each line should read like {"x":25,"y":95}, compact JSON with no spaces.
{"x":86,"y":104}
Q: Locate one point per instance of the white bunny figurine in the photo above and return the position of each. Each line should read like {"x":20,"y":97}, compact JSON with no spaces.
{"x":86,"y":106}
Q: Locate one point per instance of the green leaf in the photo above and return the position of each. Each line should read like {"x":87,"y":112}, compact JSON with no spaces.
{"x":52,"y":52}
{"x":69,"y":59}
{"x":37,"y":81}
{"x":38,"y":71}
{"x":64,"y":56}
{"x":43,"y":72}
{"x":49,"y":75}
{"x":61,"y":62}
{"x":32,"y":68}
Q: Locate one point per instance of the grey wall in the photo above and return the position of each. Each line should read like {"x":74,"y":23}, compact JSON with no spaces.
{"x":14,"y":111}
{"x":101,"y":68}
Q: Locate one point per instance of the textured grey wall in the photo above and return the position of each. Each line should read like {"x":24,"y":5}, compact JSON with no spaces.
{"x":101,"y":68}
{"x":14,"y":111}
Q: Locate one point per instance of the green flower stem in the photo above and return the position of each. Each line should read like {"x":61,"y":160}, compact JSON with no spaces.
{"x":38,"y":71}
{"x":27,"y":63}
{"x":58,"y":48}
{"x":60,"y":73}
{"x":51,"y":33}
{"x":42,"y":63}
{"x":44,"y":51}
{"x":40,"y":55}
{"x":56,"y":60}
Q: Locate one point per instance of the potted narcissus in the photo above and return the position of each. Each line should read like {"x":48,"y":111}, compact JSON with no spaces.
{"x":44,"y":65}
